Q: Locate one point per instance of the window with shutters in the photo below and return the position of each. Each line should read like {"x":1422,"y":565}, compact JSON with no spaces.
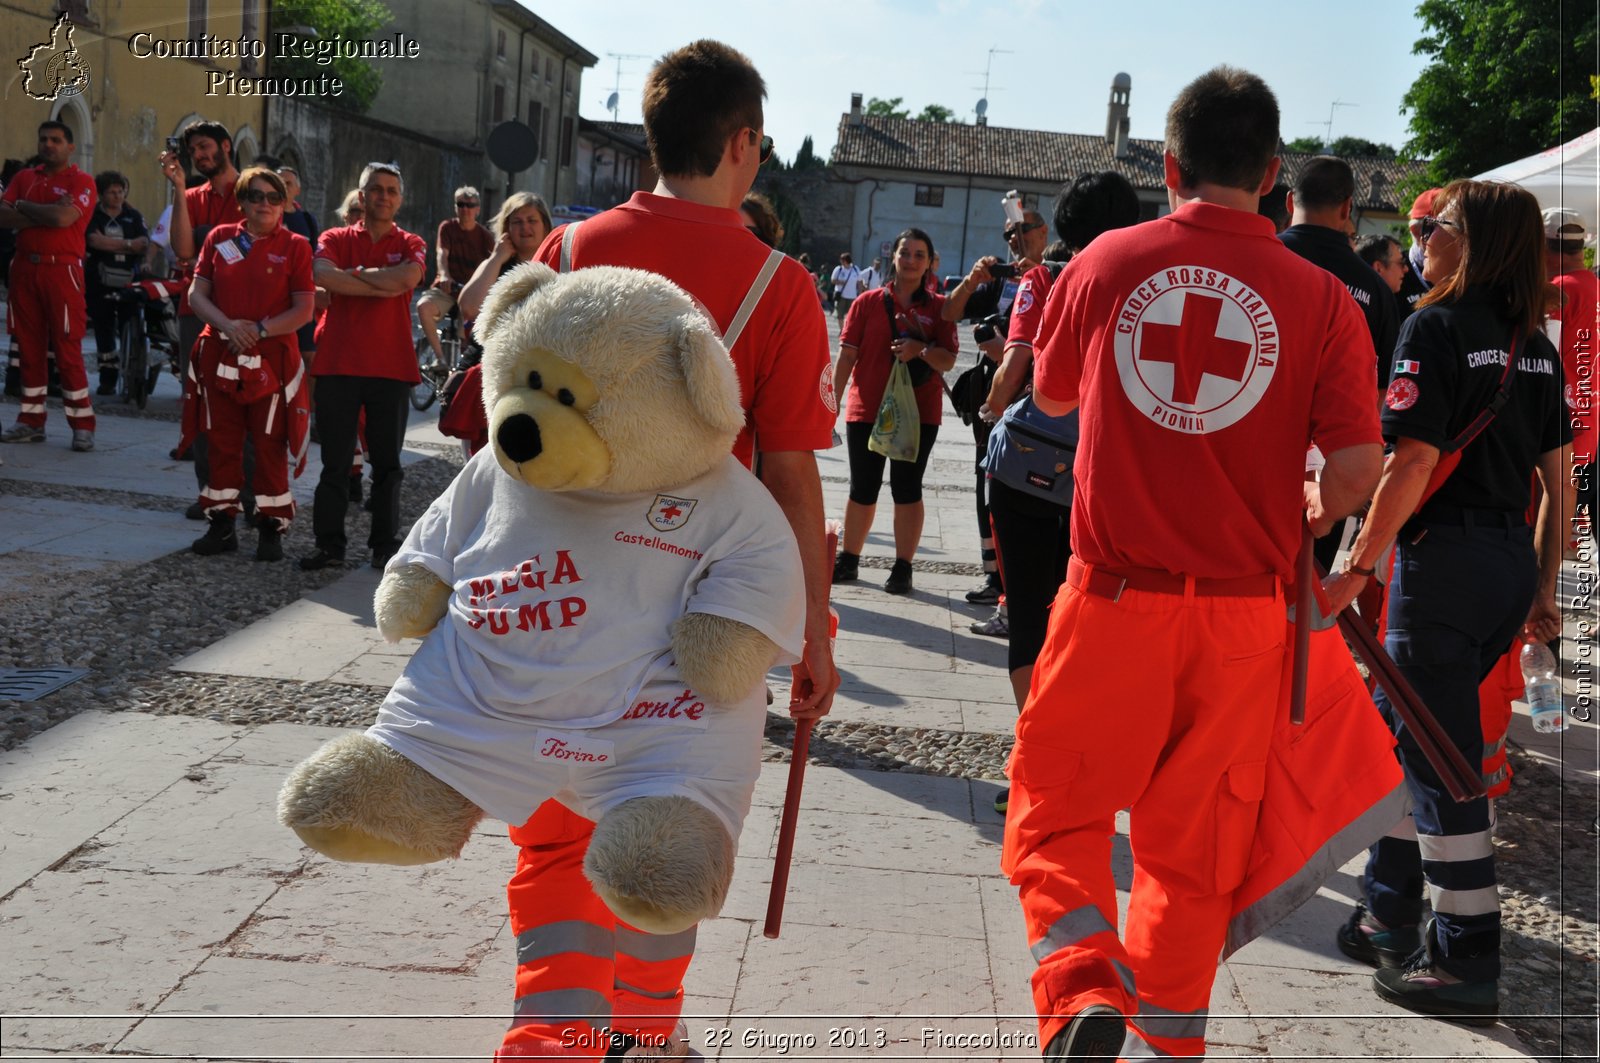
{"x":499,"y":103}
{"x":566,"y":142}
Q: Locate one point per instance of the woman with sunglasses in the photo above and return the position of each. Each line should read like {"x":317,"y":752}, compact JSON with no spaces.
{"x":897,"y":323}
{"x":519,"y":228}
{"x":1469,"y":574}
{"x":252,"y":289}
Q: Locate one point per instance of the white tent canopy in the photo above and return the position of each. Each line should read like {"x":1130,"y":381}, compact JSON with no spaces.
{"x":1564,"y":176}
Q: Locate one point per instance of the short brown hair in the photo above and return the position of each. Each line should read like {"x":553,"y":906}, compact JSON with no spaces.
{"x":695,"y":99}
{"x":252,"y":173}
{"x":1223,"y":129}
{"x":1324,"y":183}
{"x":1502,"y":250}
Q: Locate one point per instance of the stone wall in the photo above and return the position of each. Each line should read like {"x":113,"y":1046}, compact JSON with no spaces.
{"x":331,"y":147}
{"x":817,"y":209}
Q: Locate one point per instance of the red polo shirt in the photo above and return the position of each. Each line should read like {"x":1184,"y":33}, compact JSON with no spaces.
{"x":258,"y":283}
{"x":1206,"y":356}
{"x":866,"y":328}
{"x":785,"y":380}
{"x":363,"y":335}
{"x":33,"y":185}
{"x":207,"y":206}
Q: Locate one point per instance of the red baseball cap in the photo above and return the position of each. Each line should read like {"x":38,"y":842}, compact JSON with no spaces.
{"x":1422,"y":206}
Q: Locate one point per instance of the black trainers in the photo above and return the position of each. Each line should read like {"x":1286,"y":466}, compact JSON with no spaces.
{"x":1422,"y":986}
{"x":269,"y":540}
{"x":195,"y":511}
{"x":987,"y":592}
{"x":899,"y":581}
{"x":320,"y":558}
{"x":846,"y":567}
{"x":1095,"y":1033}
{"x":1364,"y":938}
{"x":218,"y":539}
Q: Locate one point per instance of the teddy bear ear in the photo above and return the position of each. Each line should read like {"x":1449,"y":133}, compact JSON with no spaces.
{"x":708,"y":373}
{"x":507,"y":292}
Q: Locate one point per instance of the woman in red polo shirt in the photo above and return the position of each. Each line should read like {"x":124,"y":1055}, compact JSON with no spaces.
{"x":899,"y":322}
{"x":252,"y":289}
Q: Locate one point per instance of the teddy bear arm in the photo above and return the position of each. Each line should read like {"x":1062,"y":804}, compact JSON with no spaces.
{"x":721,"y":659}
{"x":410,"y":601}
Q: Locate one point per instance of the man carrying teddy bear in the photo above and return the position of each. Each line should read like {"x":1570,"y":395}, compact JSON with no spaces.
{"x":703,"y":117}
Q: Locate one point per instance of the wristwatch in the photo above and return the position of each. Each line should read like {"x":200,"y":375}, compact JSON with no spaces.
{"x":262,"y":326}
{"x":1351,"y":567}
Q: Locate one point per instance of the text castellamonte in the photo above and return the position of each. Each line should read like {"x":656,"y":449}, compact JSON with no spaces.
{"x":321,"y":51}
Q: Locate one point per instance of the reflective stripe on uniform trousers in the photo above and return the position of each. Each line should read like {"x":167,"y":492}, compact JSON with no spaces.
{"x":1156,"y":1021}
{"x":1073,"y":927}
{"x":562,"y":1006}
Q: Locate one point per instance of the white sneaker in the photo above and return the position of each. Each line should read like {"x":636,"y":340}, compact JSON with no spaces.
{"x":997,"y":626}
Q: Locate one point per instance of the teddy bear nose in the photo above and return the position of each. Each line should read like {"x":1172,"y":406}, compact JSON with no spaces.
{"x":519,"y":438}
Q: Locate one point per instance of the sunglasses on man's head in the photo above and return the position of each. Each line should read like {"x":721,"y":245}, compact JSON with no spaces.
{"x":1014,"y":231}
{"x":1430,"y":225}
{"x":255,"y":195}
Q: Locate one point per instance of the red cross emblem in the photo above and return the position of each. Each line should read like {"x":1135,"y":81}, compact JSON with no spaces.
{"x":1193,"y":348}
{"x":1195,"y":323}
{"x":668,"y":512}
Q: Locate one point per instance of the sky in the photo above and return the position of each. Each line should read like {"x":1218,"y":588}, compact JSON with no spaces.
{"x":1053,"y":69}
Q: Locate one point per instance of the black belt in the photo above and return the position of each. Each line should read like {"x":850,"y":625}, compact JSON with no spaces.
{"x":1470,"y":517}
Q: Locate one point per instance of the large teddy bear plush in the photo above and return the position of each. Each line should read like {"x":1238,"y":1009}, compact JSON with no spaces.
{"x":601,"y":590}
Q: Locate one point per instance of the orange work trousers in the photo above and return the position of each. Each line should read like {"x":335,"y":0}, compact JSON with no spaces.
{"x":1162,"y":703}
{"x":582,"y":973}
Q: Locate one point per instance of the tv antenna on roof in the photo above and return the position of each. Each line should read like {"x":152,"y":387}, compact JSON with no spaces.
{"x":613,"y":101}
{"x":981,"y":109}
{"x":1327,"y":127}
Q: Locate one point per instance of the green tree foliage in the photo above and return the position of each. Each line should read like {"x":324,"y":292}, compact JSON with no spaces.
{"x":1505,"y":78}
{"x":351,"y":19}
{"x":1361,"y":146}
{"x":1309,"y":145}
{"x":895,"y":108}
{"x":807,"y":158}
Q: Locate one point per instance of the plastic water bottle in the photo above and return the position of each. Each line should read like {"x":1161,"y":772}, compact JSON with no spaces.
{"x":1542,"y":688}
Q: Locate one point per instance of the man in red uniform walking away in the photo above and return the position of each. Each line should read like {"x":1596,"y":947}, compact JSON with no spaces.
{"x":1206,"y":357}
{"x":589,"y":985}
{"x":49,"y":205}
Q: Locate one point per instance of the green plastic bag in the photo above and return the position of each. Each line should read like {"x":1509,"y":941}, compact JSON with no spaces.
{"x":897,"y":433}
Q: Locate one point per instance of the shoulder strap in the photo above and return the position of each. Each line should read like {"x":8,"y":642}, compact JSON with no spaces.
{"x":758,"y":287}
{"x":1497,"y":402}
{"x":1450,"y":452}
{"x":568,"y":236}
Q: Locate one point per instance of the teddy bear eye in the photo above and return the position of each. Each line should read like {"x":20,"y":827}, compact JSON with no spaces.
{"x":535,"y":381}
{"x":566,"y":398}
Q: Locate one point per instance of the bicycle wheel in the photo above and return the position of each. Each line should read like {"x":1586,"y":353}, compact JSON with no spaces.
{"x":135,"y":353}
{"x":424,"y":392}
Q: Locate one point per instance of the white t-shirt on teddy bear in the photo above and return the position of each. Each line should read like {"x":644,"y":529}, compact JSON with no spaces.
{"x":562,"y":602}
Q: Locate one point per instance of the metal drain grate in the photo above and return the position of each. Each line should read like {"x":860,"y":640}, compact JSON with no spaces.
{"x":31,"y":684}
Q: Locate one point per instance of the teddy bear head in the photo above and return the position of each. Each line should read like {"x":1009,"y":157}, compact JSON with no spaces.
{"x":604,"y":379}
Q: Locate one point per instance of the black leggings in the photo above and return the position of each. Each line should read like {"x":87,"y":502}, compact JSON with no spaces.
{"x":866,"y":466}
{"x":1031,"y":536}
